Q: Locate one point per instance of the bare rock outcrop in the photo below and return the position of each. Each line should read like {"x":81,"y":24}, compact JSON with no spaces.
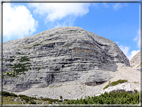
{"x":135,"y":62}
{"x":74,"y":91}
{"x":60,"y":56}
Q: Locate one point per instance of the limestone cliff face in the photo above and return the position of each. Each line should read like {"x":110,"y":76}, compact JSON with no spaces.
{"x":135,"y":62}
{"x":59,"y":56}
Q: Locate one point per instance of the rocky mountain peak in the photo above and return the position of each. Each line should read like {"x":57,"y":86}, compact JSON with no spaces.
{"x":66,"y":55}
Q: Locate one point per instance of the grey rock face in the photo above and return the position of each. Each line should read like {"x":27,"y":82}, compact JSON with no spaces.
{"x":59,"y":55}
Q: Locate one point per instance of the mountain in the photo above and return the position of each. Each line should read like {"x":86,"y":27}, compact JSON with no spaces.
{"x":55,"y":61}
{"x":135,"y":62}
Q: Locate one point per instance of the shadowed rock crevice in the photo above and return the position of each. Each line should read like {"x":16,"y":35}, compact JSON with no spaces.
{"x":94,"y":83}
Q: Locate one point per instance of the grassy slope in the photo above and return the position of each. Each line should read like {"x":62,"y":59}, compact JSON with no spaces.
{"x":106,"y":98}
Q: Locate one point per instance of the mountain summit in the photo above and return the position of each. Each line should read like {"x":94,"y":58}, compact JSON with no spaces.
{"x":58,"y":57}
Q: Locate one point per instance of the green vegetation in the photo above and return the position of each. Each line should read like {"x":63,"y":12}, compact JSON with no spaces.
{"x":12,"y":56}
{"x":20,"y":53}
{"x":32,"y":102}
{"x":23,"y":59}
{"x":11,"y":59}
{"x":9,"y":73}
{"x":27,"y":99}
{"x":20,"y":67}
{"x":27,"y":47}
{"x":38,"y":69}
{"x":136,"y":82}
{"x":8,"y":98}
{"x":36,"y":44}
{"x":136,"y":91}
{"x":9,"y":65}
{"x":33,"y":45}
{"x":139,"y":65}
{"x":109,"y":98}
{"x":4,"y":93}
{"x":60,"y":97}
{"x":49,"y":99}
{"x":114,"y":83}
{"x":106,"y":98}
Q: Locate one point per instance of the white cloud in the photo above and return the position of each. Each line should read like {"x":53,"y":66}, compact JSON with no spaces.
{"x":17,"y":21}
{"x":125,"y":50}
{"x":117,"y":6}
{"x":67,"y":22}
{"x":137,"y":39}
{"x":133,"y":53}
{"x":58,"y":11}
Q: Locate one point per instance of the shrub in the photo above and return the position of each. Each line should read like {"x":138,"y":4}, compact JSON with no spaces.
{"x":36,"y":44}
{"x":24,"y":97}
{"x":4,"y":93}
{"x":49,"y":99}
{"x":60,"y":97}
{"x":32,"y":102}
{"x":109,"y":98}
{"x":24,"y":58}
{"x":66,"y":99}
{"x":114,"y":83}
{"x":18,"y":53}
{"x":49,"y":102}
{"x":9,"y":65}
{"x":12,"y":94}
{"x":27,"y":47}
{"x":20,"y":68}
{"x":12,"y":56}
{"x":33,"y":98}
{"x":38,"y":69}
{"x":136,"y":82}
{"x":139,"y":65}
{"x":11,"y":59}
{"x":136,"y":91}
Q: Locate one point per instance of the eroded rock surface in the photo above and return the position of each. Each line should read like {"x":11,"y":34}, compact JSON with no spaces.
{"x":60,"y":56}
{"x":135,"y":62}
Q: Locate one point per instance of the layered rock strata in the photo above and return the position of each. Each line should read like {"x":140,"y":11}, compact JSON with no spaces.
{"x":136,"y":62}
{"x":60,"y":56}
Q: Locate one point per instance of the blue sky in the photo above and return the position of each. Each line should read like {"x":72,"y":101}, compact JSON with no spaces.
{"x":118,"y":22}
